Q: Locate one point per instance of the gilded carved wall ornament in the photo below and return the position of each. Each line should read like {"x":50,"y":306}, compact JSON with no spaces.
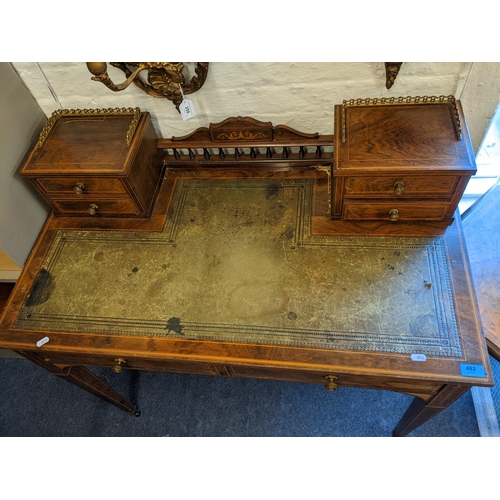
{"x":164,"y":79}
{"x":391,"y":72}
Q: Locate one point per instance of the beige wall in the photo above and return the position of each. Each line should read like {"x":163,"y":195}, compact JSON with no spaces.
{"x":301,"y":95}
{"x":22,"y":211}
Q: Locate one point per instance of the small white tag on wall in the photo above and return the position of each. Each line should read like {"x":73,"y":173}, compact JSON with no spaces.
{"x":187,"y":109}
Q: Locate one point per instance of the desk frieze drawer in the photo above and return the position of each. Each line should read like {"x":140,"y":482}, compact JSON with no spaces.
{"x":330,"y":379}
{"x":120,"y":363}
{"x":333,"y":379}
{"x":402,"y":186}
{"x":80,"y":186}
{"x":196,"y":368}
{"x":285,"y":374}
{"x":396,"y":210}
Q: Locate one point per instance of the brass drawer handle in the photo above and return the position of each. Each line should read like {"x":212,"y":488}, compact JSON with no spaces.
{"x":394,"y":215}
{"x":399,"y":187}
{"x":92,"y":209}
{"x":331,"y":385}
{"x":79,"y":187}
{"x":118,"y":367}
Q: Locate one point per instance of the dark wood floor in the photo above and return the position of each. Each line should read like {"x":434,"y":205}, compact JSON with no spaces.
{"x":5,"y":289}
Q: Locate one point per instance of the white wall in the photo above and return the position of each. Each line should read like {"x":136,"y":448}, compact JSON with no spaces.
{"x":300,"y":95}
{"x":480,"y":97}
{"x":22,"y":210}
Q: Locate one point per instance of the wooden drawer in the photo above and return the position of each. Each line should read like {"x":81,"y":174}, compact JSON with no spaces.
{"x":332,"y":378}
{"x":340,"y":379}
{"x":431,"y":186}
{"x":133,"y":363}
{"x":54,"y":186}
{"x":286,"y":375}
{"x":165,"y":366}
{"x":405,"y":210}
{"x":103,"y":157}
{"x":118,"y":206}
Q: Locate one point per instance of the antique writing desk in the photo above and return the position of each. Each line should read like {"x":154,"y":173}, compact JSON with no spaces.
{"x":242,"y":270}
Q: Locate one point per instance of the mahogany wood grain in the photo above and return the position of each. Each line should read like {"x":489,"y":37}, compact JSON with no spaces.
{"x":418,"y":137}
{"x":414,"y":186}
{"x":407,"y":210}
{"x":54,"y":186}
{"x":95,"y":144}
{"x":104,"y":206}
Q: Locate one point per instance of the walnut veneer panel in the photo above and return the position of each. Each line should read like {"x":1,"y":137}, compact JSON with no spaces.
{"x":401,"y":137}
{"x":94,"y":144}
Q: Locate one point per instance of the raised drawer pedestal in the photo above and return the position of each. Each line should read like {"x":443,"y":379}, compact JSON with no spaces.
{"x":407,"y":162}
{"x":99,"y":164}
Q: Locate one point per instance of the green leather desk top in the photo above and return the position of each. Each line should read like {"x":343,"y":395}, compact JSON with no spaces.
{"x":236,"y":261}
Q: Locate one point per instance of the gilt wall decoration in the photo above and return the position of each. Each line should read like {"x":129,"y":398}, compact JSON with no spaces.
{"x":164,"y":79}
{"x":391,"y":72}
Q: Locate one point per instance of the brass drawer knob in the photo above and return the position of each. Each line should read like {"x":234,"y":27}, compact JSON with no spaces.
{"x":118,"y":367}
{"x":399,"y":187}
{"x":394,"y":215}
{"x":79,"y":187}
{"x":331,"y":385}
{"x":92,"y":209}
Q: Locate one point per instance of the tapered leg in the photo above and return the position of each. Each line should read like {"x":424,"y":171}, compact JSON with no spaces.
{"x":85,"y":379}
{"x":421,"y":410}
